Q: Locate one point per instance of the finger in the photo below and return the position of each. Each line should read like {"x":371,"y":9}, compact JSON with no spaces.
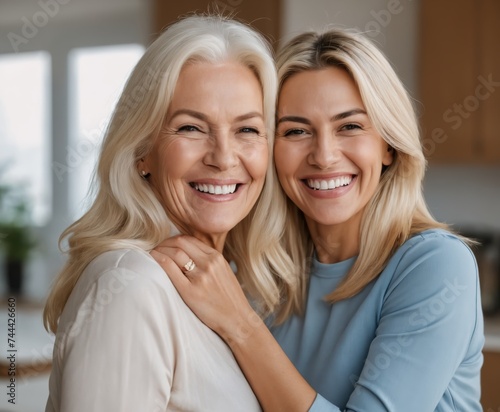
{"x":186,"y":240}
{"x":194,"y":247}
{"x":186,"y":251}
{"x":181,"y":258}
{"x":180,"y":282}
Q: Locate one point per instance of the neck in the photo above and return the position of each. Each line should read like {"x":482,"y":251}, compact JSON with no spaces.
{"x":215,"y":241}
{"x":334,"y":243}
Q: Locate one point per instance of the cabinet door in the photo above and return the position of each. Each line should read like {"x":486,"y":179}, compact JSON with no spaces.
{"x":490,"y":378}
{"x":448,"y":73}
{"x":490,"y":69}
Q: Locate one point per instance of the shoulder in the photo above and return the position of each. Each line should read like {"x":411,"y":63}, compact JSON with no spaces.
{"x":433,"y":261}
{"x":120,"y":280}
{"x":135,"y":260}
{"x":123,"y":304}
{"x":124,"y":265}
{"x":437,"y":246}
{"x":440,"y":240}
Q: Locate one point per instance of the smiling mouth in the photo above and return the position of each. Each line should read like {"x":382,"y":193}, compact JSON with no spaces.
{"x":215,"y":189}
{"x":328,"y":184}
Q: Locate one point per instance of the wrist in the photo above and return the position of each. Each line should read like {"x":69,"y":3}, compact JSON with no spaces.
{"x":237,"y":333}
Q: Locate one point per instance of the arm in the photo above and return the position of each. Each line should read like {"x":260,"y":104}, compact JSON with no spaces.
{"x":421,"y":341}
{"x":428,"y":319}
{"x":114,"y":354}
{"x":215,"y":296}
{"x":275,"y":380}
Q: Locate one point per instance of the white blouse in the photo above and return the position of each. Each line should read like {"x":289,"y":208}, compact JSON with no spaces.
{"x":126,"y":341}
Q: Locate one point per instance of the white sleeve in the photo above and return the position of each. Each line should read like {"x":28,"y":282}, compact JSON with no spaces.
{"x":118,"y":354}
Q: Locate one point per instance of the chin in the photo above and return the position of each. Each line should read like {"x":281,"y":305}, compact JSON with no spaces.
{"x":215,"y":228}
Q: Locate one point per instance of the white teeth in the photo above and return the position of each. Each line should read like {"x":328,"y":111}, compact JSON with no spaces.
{"x":329,"y":184}
{"x":215,"y":189}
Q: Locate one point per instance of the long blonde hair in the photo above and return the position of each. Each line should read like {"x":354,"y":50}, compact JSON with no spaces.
{"x":126,"y":213}
{"x":397,"y":209}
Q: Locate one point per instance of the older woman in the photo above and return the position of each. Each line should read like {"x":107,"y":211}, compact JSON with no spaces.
{"x":188,"y":153}
{"x":389,"y":315}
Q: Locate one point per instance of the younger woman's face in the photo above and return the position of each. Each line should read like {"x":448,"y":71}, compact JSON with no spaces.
{"x":328,"y":155}
{"x":209,"y":164}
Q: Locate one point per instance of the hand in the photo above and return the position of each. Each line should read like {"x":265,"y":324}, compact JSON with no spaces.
{"x":211,"y":289}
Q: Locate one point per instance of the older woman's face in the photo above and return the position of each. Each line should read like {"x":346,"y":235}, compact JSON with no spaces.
{"x":329,"y":156}
{"x":209,"y":164}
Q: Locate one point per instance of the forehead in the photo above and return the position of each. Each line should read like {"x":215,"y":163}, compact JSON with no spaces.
{"x":321,"y":89}
{"x":204,"y":73}
{"x":208,"y":86}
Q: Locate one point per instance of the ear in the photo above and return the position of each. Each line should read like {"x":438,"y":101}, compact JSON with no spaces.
{"x":388,"y":156}
{"x":142,"y":167}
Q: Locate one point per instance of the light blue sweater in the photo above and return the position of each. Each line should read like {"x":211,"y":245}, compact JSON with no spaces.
{"x":411,"y":340}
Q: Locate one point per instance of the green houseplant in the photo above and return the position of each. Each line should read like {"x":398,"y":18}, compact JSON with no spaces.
{"x":16,"y":238}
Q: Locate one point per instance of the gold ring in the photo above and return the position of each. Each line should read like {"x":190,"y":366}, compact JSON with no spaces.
{"x":188,"y":267}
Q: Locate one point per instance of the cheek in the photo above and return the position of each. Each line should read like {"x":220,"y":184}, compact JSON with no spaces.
{"x":175,"y":158}
{"x":256,"y":160}
{"x":287,"y":158}
{"x":367,"y":155}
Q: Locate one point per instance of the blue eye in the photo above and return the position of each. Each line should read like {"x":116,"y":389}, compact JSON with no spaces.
{"x":188,"y":128}
{"x":249,"y":130}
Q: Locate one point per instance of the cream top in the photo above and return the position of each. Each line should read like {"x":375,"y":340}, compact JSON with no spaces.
{"x":127,"y":342}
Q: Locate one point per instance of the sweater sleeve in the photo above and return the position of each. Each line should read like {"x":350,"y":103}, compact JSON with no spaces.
{"x":427,"y":321}
{"x":118,"y":354}
{"x":320,"y":404}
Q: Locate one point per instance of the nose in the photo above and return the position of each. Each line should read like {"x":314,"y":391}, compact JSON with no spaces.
{"x":325,"y":150}
{"x":223,"y":152}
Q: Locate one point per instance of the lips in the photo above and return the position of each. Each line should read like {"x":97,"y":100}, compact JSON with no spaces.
{"x":329,"y":183}
{"x":214,"y":189}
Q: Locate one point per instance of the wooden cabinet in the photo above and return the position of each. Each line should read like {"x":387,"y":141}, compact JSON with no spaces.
{"x":490,"y":378}
{"x":263,"y":15}
{"x":459,"y":80}
{"x":490,"y":65}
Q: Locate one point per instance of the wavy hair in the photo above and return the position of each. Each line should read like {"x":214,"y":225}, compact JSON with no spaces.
{"x":126,"y":213}
{"x":397,"y":210}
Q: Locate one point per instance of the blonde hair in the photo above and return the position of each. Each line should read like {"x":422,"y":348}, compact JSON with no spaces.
{"x":126,"y":213}
{"x":397,"y":210}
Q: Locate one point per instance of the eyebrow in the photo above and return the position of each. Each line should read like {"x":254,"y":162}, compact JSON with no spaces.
{"x":203,"y":117}
{"x":337,"y":117}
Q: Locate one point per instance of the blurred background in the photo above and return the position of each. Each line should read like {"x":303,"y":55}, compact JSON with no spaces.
{"x":63,"y":64}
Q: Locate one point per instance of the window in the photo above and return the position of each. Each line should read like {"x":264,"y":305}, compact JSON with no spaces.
{"x":24,"y":128}
{"x":97,"y":77}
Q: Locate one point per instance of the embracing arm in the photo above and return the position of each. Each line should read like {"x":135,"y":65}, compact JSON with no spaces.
{"x":215,"y":296}
{"x":274,"y":379}
{"x":427,"y":320}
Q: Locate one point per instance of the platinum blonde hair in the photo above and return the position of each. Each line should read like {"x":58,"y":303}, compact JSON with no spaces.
{"x":126,"y":213}
{"x":397,"y":209}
